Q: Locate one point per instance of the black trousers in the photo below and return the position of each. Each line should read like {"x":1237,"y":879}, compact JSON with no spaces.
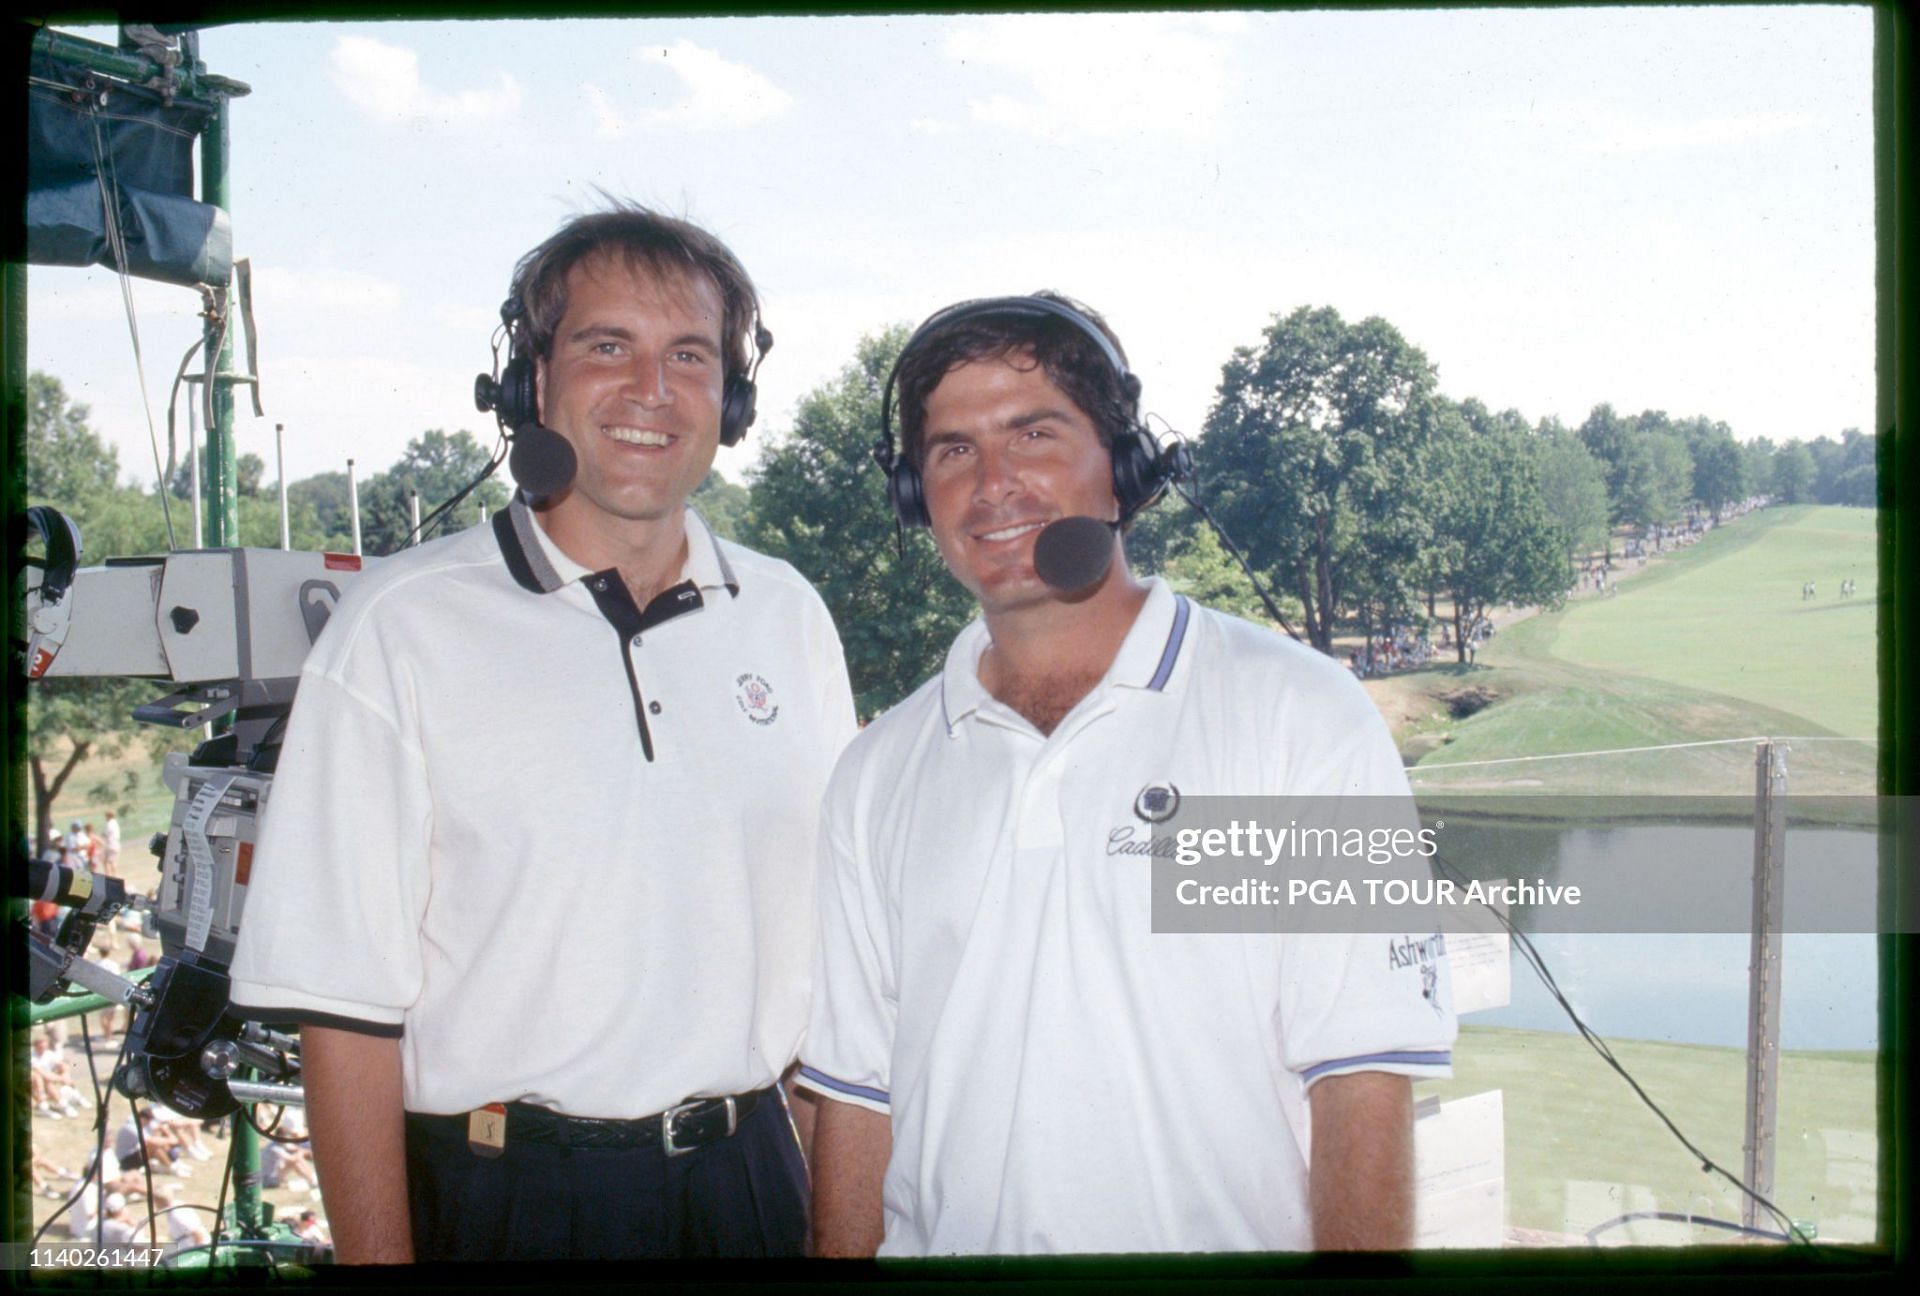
{"x":743,"y":1196}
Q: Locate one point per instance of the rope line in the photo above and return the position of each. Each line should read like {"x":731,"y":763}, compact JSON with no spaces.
{"x":1610,"y":751}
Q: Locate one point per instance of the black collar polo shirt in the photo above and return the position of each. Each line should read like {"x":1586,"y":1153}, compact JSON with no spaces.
{"x":562,"y":878}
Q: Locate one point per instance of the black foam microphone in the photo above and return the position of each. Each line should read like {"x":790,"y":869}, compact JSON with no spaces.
{"x":1073,"y":552}
{"x":542,"y":461}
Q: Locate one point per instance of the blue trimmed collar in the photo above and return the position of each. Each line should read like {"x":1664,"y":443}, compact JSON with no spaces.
{"x":1146,"y":660}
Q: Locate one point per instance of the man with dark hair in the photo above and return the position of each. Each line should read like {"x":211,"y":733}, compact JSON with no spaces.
{"x":1012,"y":1059}
{"x":529,"y":881}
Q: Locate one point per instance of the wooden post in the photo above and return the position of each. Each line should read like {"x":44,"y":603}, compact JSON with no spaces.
{"x":1763,"y":973}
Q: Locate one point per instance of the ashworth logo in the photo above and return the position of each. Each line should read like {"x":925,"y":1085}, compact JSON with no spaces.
{"x":755,"y":697}
{"x":1425,"y":955}
{"x":1157,"y":803}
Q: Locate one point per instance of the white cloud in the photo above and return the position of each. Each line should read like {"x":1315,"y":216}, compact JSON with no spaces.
{"x":717,"y":93}
{"x":932,"y":126}
{"x":1107,"y":74}
{"x":384,"y":82}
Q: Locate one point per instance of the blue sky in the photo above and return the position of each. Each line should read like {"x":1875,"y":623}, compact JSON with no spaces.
{"x":1662,"y":208}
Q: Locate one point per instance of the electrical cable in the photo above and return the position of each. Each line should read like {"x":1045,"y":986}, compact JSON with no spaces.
{"x":173,"y":398}
{"x":109,"y":182}
{"x":421,"y":532}
{"x":1193,"y":500}
{"x":93,"y":1174}
{"x":1599,"y":1045}
{"x":1677,"y":1217}
{"x":268,"y":1131}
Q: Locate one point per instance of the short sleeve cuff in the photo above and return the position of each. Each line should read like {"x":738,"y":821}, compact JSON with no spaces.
{"x":819,"y":1082}
{"x":257,"y":1001}
{"x":1421,"y":1064}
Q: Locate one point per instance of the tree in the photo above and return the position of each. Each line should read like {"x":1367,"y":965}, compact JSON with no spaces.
{"x":1572,"y":486}
{"x":819,"y":503}
{"x":1499,"y":543}
{"x":1793,"y":473}
{"x":436,"y":467}
{"x":1311,"y":448}
{"x":722,"y":504}
{"x":1171,"y":541}
{"x":72,"y":469}
{"x":70,"y":721}
{"x":250,"y":474}
{"x":1844,"y":469}
{"x":1719,"y":471}
{"x":1756,"y":465}
{"x":1657,"y":478}
{"x":1609,"y":439}
{"x":327,"y":496}
{"x":67,"y":463}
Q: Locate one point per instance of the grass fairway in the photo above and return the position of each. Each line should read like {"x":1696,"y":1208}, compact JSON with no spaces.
{"x":1581,"y":1149}
{"x":1711,"y":643}
{"x":1727,"y":617}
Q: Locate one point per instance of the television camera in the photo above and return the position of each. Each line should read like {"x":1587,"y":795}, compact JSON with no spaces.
{"x":227,"y":629}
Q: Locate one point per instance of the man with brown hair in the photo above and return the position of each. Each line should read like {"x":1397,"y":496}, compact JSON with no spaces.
{"x":508,"y":1055}
{"x":1014,"y":1059}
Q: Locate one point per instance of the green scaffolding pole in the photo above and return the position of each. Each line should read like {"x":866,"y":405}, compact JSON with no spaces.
{"x":191,"y":80}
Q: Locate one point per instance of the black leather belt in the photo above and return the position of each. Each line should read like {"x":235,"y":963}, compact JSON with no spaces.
{"x":678,"y":1129}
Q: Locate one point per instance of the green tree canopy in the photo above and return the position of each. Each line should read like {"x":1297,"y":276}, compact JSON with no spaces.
{"x":1170,"y":540}
{"x":1844,"y":471}
{"x":1793,"y":473}
{"x":1501,"y":544}
{"x":820,"y":503}
{"x":1312,"y":439}
{"x":1719,"y":469}
{"x":1572,"y":485}
{"x":723,"y":504}
{"x":436,"y":466}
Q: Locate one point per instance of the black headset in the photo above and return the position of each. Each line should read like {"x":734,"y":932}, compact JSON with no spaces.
{"x":1142,"y":471}
{"x":511,"y":395}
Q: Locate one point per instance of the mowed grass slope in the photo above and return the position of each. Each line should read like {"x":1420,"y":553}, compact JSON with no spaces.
{"x":1727,"y":617}
{"x":1708,"y":644}
{"x":1582,"y":1149}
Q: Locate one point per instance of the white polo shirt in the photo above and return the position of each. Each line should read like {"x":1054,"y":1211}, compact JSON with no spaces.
{"x":562,"y":846}
{"x":1060,"y":1078}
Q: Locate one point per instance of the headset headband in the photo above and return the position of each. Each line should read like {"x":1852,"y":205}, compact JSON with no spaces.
{"x":981,"y":307}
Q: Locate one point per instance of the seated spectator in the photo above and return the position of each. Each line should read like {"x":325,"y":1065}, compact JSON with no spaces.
{"x":142,"y":1143}
{"x":118,"y":1227}
{"x":286,"y":1165}
{"x":53,"y":1080}
{"x":43,"y":1172}
{"x":114,"y":1183}
{"x":186,"y":1229}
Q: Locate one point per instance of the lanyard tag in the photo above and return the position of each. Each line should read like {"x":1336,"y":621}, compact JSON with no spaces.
{"x":487,"y":1130}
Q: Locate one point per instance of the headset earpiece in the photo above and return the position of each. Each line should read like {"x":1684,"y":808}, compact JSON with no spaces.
{"x":740,"y":396}
{"x":736,"y":409}
{"x":518,"y":399}
{"x":906,"y":493}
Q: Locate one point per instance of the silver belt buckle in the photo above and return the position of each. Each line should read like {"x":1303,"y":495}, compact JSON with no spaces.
{"x":672,"y":1115}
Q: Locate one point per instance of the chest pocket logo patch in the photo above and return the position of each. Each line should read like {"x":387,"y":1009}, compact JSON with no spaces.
{"x":755,"y":698}
{"x":1157,"y":802}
